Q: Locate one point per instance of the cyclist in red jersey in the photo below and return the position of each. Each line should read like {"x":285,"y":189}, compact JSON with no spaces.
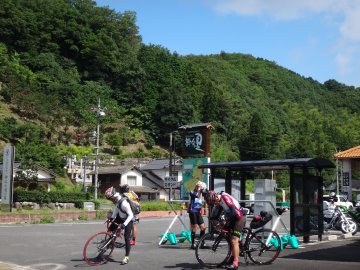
{"x":235,"y":216}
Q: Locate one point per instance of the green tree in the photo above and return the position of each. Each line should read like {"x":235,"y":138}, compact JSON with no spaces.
{"x":27,"y":173}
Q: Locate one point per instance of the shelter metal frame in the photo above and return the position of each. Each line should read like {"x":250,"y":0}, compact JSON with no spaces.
{"x":300,"y":172}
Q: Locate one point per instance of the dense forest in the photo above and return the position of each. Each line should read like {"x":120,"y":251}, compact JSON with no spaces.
{"x":58,"y":57}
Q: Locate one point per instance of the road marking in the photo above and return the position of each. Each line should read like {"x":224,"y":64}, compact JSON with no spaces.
{"x":49,"y":266}
{"x":12,"y":266}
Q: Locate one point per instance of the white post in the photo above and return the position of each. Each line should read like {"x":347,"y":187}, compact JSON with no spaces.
{"x":97,"y":157}
{"x":337,"y":177}
{"x":99,"y":112}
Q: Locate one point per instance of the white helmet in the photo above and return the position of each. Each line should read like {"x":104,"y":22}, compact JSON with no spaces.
{"x":201,"y":184}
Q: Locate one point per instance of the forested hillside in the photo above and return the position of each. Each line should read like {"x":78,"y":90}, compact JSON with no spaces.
{"x":57,"y":57}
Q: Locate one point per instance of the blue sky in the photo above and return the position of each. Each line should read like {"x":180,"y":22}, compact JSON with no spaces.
{"x":314,"y":38}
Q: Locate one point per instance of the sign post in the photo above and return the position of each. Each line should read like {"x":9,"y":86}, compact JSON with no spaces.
{"x":195,"y":151}
{"x":7,"y":178}
{"x":170,"y":182}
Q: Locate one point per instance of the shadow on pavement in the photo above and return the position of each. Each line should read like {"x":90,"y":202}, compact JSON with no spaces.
{"x":176,"y":247}
{"x":184,"y":266}
{"x":344,"y":253}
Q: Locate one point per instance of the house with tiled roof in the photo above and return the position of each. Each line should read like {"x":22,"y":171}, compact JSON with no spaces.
{"x":126,"y":174}
{"x":348,"y":163}
{"x":350,"y":153}
{"x":155,"y":172}
{"x":45,"y":177}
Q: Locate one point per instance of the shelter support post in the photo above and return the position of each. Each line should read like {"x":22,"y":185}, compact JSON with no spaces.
{"x":228,"y":181}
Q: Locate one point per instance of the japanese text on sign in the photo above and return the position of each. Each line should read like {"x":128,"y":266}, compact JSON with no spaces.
{"x":170,"y":182}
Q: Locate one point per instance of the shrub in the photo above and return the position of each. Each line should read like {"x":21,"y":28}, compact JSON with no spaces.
{"x":47,"y":219}
{"x":158,"y":206}
{"x":41,"y":197}
{"x":83,"y":216}
{"x":101,"y":214}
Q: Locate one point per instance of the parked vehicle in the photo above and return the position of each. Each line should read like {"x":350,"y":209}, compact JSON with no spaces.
{"x":334,"y":219}
{"x":339,"y":200}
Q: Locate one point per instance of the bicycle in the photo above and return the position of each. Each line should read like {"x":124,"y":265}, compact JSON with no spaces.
{"x":261,"y":246}
{"x":99,"y":247}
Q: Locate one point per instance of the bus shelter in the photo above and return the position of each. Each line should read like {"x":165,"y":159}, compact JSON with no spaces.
{"x":306,"y":187}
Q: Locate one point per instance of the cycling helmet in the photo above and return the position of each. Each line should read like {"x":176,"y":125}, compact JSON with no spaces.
{"x":124,"y":188}
{"x":201,"y":184}
{"x":109,"y":193}
{"x":332,"y":195}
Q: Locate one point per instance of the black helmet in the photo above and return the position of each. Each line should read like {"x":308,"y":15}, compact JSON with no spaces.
{"x":124,"y":188}
{"x":109,"y":193}
{"x":210,"y":197}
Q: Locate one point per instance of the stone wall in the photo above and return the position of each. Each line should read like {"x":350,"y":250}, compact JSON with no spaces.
{"x":36,"y":206}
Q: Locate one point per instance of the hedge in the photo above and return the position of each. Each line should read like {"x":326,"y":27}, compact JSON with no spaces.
{"x":78,"y":198}
{"x":41,"y":197}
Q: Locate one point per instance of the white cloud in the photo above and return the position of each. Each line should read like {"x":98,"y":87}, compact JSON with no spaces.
{"x":350,"y":27}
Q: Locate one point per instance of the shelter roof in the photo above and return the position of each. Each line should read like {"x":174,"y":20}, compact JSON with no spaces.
{"x":279,"y":164}
{"x":350,"y":153}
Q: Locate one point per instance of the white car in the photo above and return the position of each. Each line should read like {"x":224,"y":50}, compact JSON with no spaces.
{"x":341,"y":201}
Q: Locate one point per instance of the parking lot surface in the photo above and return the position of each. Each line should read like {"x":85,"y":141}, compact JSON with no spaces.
{"x":60,"y":246}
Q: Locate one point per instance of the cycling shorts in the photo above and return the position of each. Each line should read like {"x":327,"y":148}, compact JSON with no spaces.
{"x":237,"y":226}
{"x":196,"y":218}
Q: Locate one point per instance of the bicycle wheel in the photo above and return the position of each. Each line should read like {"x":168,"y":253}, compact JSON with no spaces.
{"x":263,"y":246}
{"x":98,"y":248}
{"x":213,"y":250}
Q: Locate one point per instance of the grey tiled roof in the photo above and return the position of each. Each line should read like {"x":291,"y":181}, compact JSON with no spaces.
{"x":115,"y":169}
{"x":159,"y":164}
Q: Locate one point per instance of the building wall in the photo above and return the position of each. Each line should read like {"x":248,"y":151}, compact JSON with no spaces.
{"x":139,"y":180}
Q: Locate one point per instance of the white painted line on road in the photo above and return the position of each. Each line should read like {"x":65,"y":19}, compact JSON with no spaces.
{"x":11,"y":266}
{"x":49,"y":266}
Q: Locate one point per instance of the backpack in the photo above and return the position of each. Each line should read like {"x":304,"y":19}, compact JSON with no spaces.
{"x":135,"y":206}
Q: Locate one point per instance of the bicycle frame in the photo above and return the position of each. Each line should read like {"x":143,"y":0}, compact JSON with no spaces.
{"x":253,"y":244}
{"x":98,"y":252}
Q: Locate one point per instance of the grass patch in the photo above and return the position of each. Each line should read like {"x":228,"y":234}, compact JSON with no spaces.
{"x":41,"y":211}
{"x":83,"y":216}
{"x":159,"y":206}
{"x":100,"y":214}
{"x":47,"y":219}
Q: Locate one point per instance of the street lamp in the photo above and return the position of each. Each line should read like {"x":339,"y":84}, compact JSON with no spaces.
{"x":99,"y":113}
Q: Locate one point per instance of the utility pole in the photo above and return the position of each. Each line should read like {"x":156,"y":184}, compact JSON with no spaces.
{"x":84,"y":162}
{"x":170,"y":163}
{"x":99,"y":112}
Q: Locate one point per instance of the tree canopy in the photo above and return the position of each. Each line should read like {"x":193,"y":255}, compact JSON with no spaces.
{"x":58,"y":57}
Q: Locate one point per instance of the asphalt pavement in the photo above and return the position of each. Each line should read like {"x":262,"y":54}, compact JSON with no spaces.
{"x":59,"y":246}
